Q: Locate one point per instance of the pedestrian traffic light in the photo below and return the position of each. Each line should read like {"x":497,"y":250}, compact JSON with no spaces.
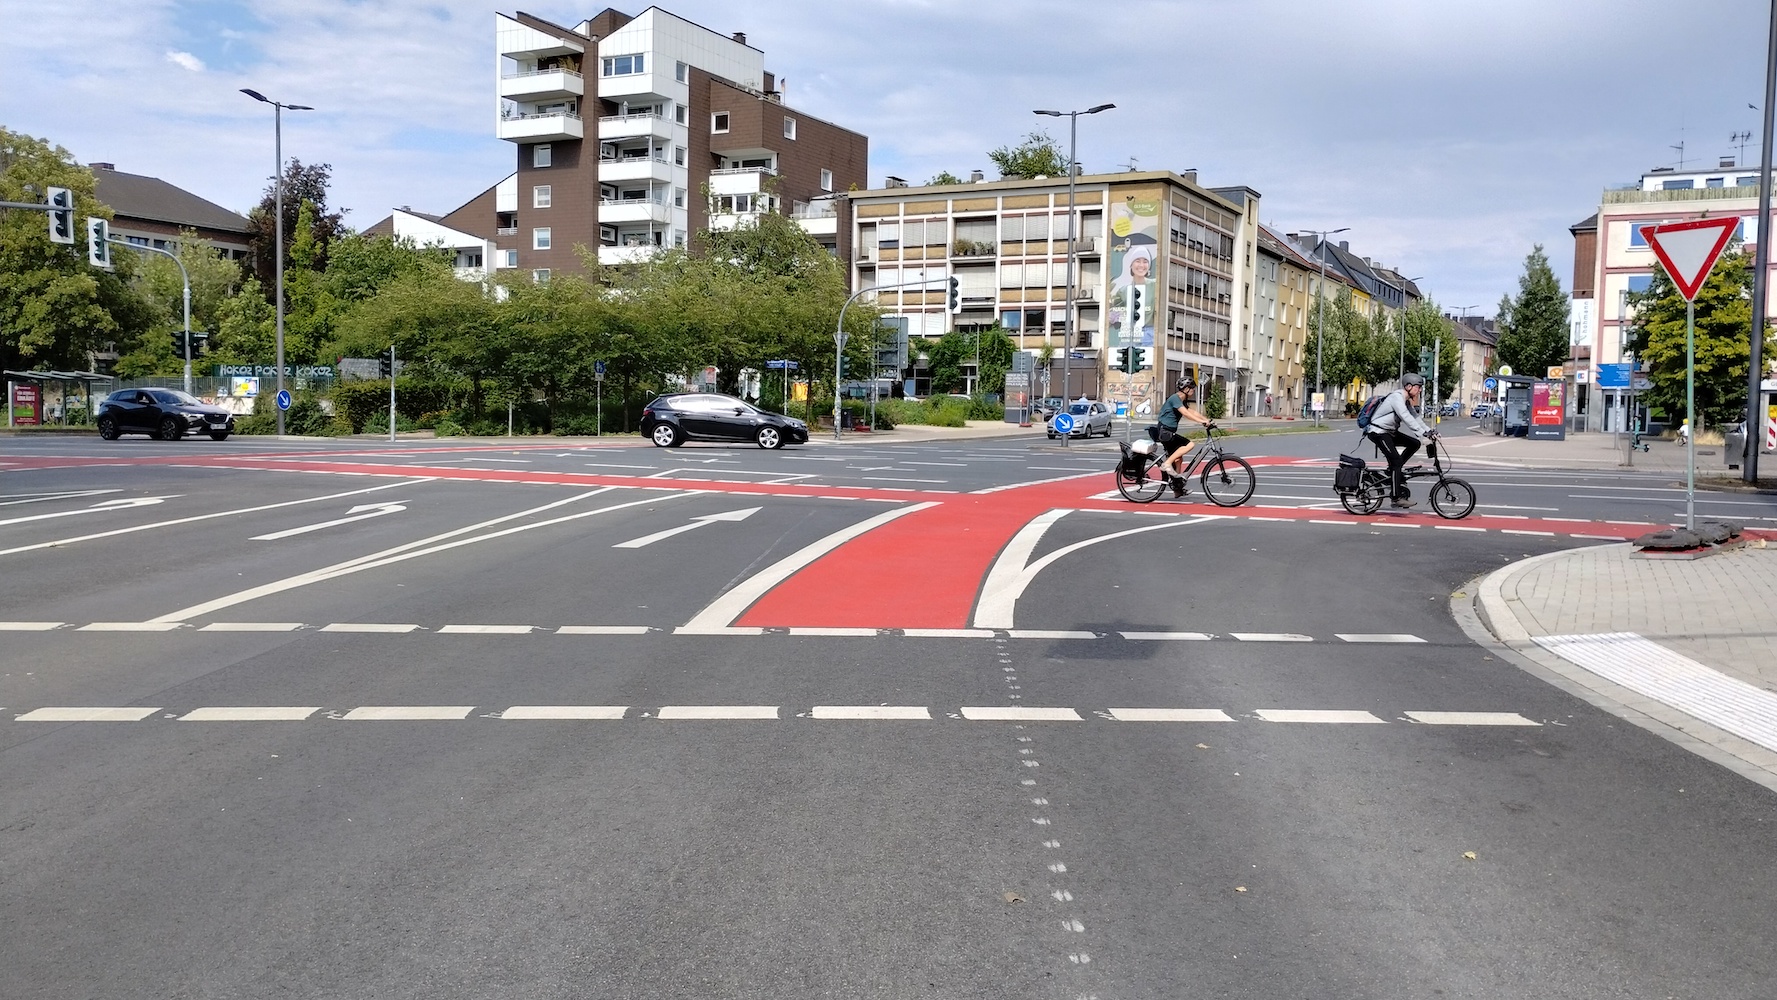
{"x":98,"y":246}
{"x":61,"y":215}
{"x":955,"y":301}
{"x":1427,"y":361}
{"x":385,"y":367}
{"x":1138,"y":308}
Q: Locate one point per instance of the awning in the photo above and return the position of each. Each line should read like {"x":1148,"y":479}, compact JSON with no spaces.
{"x":59,"y":376}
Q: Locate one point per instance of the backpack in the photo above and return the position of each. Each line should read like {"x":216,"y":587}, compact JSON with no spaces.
{"x":1368,"y":412}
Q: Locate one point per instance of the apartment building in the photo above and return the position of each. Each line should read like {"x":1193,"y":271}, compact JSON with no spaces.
{"x":689,"y":132}
{"x":1477,"y":337}
{"x":471,"y":255}
{"x":1287,"y":287}
{"x":1154,"y":240}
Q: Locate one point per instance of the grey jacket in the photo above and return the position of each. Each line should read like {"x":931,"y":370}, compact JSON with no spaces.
{"x":1396,"y":414}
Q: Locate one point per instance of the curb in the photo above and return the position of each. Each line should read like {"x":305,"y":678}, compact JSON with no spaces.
{"x":1490,"y":622}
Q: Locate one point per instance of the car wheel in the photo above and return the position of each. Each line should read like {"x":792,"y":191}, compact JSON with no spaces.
{"x":769,"y":438}
{"x":665,"y":436}
{"x":1051,"y":435}
{"x":170,"y":429}
{"x":108,"y":429}
{"x":219,"y":435}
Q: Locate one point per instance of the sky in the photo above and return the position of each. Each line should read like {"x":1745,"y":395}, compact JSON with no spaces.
{"x":1449,"y":136}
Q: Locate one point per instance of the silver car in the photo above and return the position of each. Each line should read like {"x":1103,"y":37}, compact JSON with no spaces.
{"x":1090,"y":417}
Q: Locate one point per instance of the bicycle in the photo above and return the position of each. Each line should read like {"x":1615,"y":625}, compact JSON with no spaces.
{"x":1227,"y":479}
{"x":1363,"y":490}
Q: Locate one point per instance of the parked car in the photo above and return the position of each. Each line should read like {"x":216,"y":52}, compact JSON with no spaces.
{"x":1479,"y":411}
{"x":1049,"y":406}
{"x":673,"y":419}
{"x":162,"y":414}
{"x":1089,"y":418}
{"x":1450,"y":409}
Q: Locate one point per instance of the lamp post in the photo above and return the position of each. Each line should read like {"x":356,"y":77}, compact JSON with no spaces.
{"x":1320,"y":307}
{"x":1073,"y":142}
{"x":1400,"y":327}
{"x":1761,"y":273}
{"x":278,"y":240}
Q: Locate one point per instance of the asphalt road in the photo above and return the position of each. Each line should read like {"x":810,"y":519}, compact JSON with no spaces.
{"x":332,"y":719}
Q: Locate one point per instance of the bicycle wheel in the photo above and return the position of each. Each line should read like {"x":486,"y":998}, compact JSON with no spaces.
{"x":1145,"y":488}
{"x":1228,"y":481}
{"x":1452,"y":498}
{"x":1361,"y":502}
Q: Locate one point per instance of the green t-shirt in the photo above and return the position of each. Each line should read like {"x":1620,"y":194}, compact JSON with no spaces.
{"x":1169,"y":412}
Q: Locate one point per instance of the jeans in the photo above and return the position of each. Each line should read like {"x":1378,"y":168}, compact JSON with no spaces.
{"x":1398,"y":449}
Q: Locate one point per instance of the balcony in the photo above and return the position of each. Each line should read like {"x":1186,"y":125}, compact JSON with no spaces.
{"x":636,"y":168}
{"x":542,"y":85}
{"x":643,"y":85}
{"x":626,"y":255}
{"x":506,"y":231}
{"x":973,"y":248}
{"x":553,"y":126}
{"x":739,"y":180}
{"x":615,"y":211}
{"x":636,"y":126}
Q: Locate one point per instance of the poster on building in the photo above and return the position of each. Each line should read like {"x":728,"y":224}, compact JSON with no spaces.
{"x":1133,"y":254}
{"x":27,"y":405}
{"x":1548,"y":411}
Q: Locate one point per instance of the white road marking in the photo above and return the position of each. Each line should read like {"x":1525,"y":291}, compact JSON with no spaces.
{"x":130,"y":626}
{"x":478,"y":458}
{"x":251,"y":627}
{"x":1009,"y":576}
{"x":948,"y":633}
{"x":1170,"y":715}
{"x":403,"y":713}
{"x":1517,"y":531}
{"x":1162,"y":636}
{"x":359,"y":513}
{"x":870,"y":712}
{"x":1456,"y":527}
{"x":699,"y":521}
{"x":725,"y":609}
{"x":1039,"y":482}
{"x":614,"y":465}
{"x":18,"y":498}
{"x":248,"y":714}
{"x":992,"y":713}
{"x":411,"y":550}
{"x":1470,"y":718}
{"x":103,"y":507}
{"x":1650,"y":669}
{"x":893,"y":479}
{"x":1307,"y":715}
{"x":30,"y":626}
{"x":1041,"y":633}
{"x":134,"y":714}
{"x":955,"y":465}
{"x":1271,"y":637}
{"x":367,"y":627}
{"x":1378,"y":637}
{"x":1501,"y":506}
{"x":486,"y":629}
{"x":603,"y":630}
{"x":673,"y":712}
{"x":805,"y":630}
{"x":206,"y":517}
{"x":564,"y":712}
{"x":718,"y":630}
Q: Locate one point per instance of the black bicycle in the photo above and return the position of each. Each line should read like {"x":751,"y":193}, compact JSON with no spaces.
{"x":1363,"y":490}
{"x":1227,"y":480}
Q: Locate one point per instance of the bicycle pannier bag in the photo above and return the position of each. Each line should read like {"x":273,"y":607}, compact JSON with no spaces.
{"x":1349,"y":477}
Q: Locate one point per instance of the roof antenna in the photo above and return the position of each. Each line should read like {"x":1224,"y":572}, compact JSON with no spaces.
{"x":1680,"y":148}
{"x":1741,"y":138}
{"x":1130,"y":167}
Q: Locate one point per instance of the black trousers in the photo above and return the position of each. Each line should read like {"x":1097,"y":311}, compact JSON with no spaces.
{"x":1398,"y":449}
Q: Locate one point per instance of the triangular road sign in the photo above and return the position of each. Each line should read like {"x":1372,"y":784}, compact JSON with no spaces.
{"x":1689,"y":249}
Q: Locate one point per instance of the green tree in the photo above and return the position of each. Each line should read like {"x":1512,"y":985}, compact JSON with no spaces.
{"x":303,"y":184}
{"x":246,"y":328}
{"x":159,"y":282}
{"x":1215,"y":399}
{"x":944,"y":177}
{"x":1036,"y":156}
{"x":1533,"y":332}
{"x":1723,"y":350}
{"x":1346,"y":341}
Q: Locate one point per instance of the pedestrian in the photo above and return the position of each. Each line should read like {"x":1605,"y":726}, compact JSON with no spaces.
{"x":1684,"y":431}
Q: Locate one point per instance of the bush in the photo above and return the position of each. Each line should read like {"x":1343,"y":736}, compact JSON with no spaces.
{"x":1215,"y":400}
{"x":448,"y":428}
{"x":982,"y":408}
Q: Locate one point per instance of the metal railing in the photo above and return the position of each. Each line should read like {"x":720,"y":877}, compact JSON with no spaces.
{"x":767,"y":171}
{"x":540,"y":72}
{"x":513,"y":116}
{"x":1638,"y":196}
{"x":506,"y":231}
{"x":632,"y":116}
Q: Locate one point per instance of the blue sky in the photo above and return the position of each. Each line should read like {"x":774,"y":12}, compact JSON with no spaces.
{"x":1448,"y":135}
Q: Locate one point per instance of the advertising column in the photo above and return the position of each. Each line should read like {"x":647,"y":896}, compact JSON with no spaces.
{"x":1548,"y":411}
{"x":27,"y":405}
{"x":1132,"y":259}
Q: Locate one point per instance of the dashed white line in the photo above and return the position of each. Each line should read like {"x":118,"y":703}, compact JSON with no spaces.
{"x":949,"y":633}
{"x":1470,"y":719}
{"x":1163,"y":636}
{"x":804,"y":630}
{"x":991,"y":713}
{"x":407,"y":713}
{"x":1271,"y":637}
{"x":133,"y":714}
{"x":1311,"y":715}
{"x":1378,"y":637}
{"x":487,"y":629}
{"x":546,"y":712}
{"x":30,"y":626}
{"x":1042,"y":633}
{"x":674,"y":712}
{"x":1170,"y":715}
{"x":130,"y":626}
{"x":870,"y":712}
{"x":603,"y":630}
{"x":368,"y":627}
{"x":249,"y":714}
{"x":251,"y":627}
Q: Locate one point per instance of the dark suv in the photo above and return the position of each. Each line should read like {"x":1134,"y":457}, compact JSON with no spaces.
{"x":162,"y":414}
{"x":671,"y":420}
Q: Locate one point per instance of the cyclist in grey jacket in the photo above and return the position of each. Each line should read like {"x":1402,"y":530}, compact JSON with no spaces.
{"x":1395,"y":417}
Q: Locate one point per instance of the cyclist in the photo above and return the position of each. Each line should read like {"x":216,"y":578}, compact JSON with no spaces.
{"x":1178,"y":445}
{"x":1389,"y":429}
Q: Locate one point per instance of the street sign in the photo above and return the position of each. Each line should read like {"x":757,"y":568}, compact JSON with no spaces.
{"x":598,"y":369}
{"x":1505,"y":369}
{"x":283,"y":399}
{"x":785,"y":365}
{"x":1642,"y":384}
{"x":1490,"y":383}
{"x":1557,"y":372}
{"x":1614,"y":376}
{"x":1689,"y":249}
{"x":1062,"y":423}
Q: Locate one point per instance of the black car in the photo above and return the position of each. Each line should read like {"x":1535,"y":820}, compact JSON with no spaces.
{"x":162,"y":414}
{"x":673,"y":419}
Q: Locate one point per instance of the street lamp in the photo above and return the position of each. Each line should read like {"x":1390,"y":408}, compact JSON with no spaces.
{"x":1073,"y":137}
{"x":1320,"y":322}
{"x":1401,"y":328}
{"x":278,"y":181}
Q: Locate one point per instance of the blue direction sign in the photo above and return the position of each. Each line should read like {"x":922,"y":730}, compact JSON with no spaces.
{"x":1490,"y":383}
{"x":283,"y":399}
{"x":786,"y":365}
{"x":598,"y":367}
{"x":1613,"y":376}
{"x":1063,"y":423}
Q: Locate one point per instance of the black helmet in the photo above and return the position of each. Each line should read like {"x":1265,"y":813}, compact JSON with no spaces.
{"x":1184,"y":383}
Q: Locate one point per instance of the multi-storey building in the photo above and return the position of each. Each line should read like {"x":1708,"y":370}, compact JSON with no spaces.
{"x":1286,"y":284}
{"x":1153,"y":241}
{"x":1623,"y":263}
{"x":689,"y":132}
{"x":1477,"y":339}
{"x":148,"y":211}
{"x":472,"y":256}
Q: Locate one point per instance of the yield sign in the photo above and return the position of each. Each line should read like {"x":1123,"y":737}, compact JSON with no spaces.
{"x":1689,"y":249}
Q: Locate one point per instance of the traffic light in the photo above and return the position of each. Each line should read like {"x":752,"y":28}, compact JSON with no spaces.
{"x":955,"y":300}
{"x":98,"y":247}
{"x":1131,"y":356}
{"x":1427,"y":361}
{"x":385,"y":366}
{"x":1145,"y":358}
{"x":1138,"y":308}
{"x":61,"y":215}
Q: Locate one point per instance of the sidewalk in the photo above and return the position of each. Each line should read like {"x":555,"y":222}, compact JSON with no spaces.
{"x":1687,"y":649}
{"x":1586,"y":451}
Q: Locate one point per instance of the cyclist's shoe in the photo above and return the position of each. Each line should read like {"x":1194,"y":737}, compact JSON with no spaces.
{"x":1402,"y":503}
{"x":1179,"y":489}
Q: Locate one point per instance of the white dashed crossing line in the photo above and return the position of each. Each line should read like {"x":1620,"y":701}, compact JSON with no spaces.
{"x":1170,"y":715}
{"x":1310,"y":715}
{"x":1377,"y":637}
{"x":1022,"y":714}
{"x":870,"y":712}
{"x":674,"y":712}
{"x":564,"y":712}
{"x":406,"y":713}
{"x":249,"y":714}
{"x":133,"y":714}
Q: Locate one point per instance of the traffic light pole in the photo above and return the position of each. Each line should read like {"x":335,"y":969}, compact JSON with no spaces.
{"x":391,"y":393}
{"x":839,"y":345}
{"x":185,"y":341}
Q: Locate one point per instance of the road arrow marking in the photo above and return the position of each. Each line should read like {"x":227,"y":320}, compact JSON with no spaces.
{"x":40,"y":497}
{"x":358,"y":513}
{"x":696,"y":522}
{"x":122,"y":503}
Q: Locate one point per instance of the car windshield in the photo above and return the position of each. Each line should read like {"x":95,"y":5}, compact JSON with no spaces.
{"x":175,"y":396}
{"x":1078,"y":408}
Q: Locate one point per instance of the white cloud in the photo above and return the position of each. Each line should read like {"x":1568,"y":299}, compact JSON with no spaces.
{"x":186,"y":60}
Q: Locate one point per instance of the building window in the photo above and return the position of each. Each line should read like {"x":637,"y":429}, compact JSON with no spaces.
{"x":540,"y":196}
{"x":624,"y":65}
{"x":681,"y":71}
{"x":682,"y":114}
{"x":1640,"y":282}
{"x":1714,"y":182}
{"x":540,"y":155}
{"x":511,"y":258}
{"x":1683,"y":185}
{"x":540,"y":275}
{"x":1748,"y":180}
{"x":719,"y":121}
{"x":789,"y":127}
{"x":679,"y":238}
{"x":679,"y":155}
{"x":826,"y":180}
{"x":540,"y":238}
{"x":678,"y":197}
